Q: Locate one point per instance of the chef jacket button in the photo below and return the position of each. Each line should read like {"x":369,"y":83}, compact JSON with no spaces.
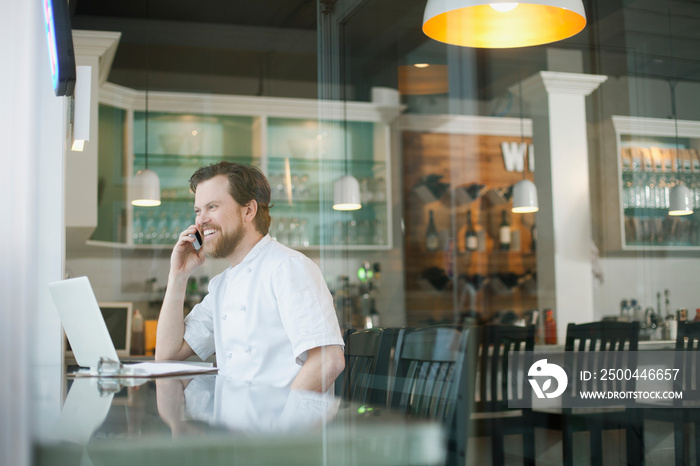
{"x":243,"y":308}
{"x":225,"y":316}
{"x":229,"y":355}
{"x":247,"y":350}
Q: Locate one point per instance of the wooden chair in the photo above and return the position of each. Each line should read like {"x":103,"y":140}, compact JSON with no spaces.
{"x":368,"y":358}
{"x":504,"y":352}
{"x":587,"y":346}
{"x":433,"y":380}
{"x":685,"y":411}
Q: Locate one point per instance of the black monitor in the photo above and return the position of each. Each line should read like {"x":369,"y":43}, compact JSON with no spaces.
{"x":60,"y":42}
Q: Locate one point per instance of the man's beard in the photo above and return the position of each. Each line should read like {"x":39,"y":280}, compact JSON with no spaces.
{"x":226,"y":244}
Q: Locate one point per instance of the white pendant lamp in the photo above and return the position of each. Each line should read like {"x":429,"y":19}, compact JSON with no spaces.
{"x":346,"y":193}
{"x":501,"y":23}
{"x":145,"y":187}
{"x":525,"y":197}
{"x":680,"y":202}
{"x":346,"y":190}
{"x":524,"y":191}
{"x":680,"y":197}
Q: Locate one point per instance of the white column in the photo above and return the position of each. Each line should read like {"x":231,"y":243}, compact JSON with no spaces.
{"x":564,"y":273}
{"x":95,"y":49}
{"x":32,"y":129}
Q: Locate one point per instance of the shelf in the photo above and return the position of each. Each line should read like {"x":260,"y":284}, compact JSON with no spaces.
{"x":156,"y":157}
{"x":169,"y":247}
{"x":291,"y":151}
{"x":642,"y":173}
{"x":327,"y":204}
{"x":635,"y":246}
{"x":652,"y":212}
{"x":310,"y":161}
{"x":167,"y":158}
{"x":630,"y":175}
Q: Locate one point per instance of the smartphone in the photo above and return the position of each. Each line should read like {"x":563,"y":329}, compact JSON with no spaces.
{"x":197,"y":240}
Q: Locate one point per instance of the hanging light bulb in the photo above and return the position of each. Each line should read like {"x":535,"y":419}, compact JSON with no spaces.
{"x":346,"y":190}
{"x":145,"y":187}
{"x":525,"y":197}
{"x":680,"y":197}
{"x":346,"y":193}
{"x":680,"y":202}
{"x":502,"y":24}
{"x":524,"y":191}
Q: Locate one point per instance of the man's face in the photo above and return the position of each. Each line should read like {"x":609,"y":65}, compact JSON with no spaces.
{"x":220,"y":219}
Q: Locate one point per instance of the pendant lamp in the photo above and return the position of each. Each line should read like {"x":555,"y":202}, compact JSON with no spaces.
{"x":145,"y":187}
{"x":501,"y":23}
{"x":346,"y":193}
{"x":346,"y":190}
{"x":680,"y":197}
{"x":524,"y":191}
{"x":680,"y":202}
{"x":525,"y":197}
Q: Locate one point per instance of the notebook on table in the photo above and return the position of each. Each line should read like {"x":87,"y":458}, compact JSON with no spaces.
{"x":91,"y":342}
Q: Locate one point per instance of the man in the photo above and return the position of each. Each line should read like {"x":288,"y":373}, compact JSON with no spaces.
{"x":269,"y":316}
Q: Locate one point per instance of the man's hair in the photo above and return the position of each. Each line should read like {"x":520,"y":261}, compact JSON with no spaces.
{"x":245,"y":183}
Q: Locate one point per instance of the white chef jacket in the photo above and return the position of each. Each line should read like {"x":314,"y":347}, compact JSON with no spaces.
{"x":263,"y":315}
{"x":254,"y":409}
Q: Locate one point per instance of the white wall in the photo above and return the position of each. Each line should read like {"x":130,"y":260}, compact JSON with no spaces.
{"x":642,"y":277}
{"x":31,"y":128}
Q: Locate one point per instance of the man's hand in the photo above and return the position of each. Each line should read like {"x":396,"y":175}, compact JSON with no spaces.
{"x":170,"y":342}
{"x":185,"y":259}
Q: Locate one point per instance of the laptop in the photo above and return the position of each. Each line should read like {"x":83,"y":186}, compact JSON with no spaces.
{"x":91,"y":342}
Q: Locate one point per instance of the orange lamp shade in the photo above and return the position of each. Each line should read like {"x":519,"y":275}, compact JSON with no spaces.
{"x":500,"y":24}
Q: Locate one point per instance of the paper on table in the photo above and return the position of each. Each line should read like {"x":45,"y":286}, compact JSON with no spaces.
{"x":153,"y":369}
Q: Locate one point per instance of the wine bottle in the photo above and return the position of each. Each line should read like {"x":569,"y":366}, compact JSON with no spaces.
{"x":432,"y":240}
{"x":471,"y":241}
{"x":533,"y":231}
{"x":504,"y":232}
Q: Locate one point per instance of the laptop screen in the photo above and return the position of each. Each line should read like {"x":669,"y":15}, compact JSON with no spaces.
{"x":82,"y":321}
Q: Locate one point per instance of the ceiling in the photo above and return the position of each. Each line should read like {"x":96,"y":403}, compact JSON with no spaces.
{"x":269,"y":47}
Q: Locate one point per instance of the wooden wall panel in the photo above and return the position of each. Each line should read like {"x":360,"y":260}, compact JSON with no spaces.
{"x":461,"y":160}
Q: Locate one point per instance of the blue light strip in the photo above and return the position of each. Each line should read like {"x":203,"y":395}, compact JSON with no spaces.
{"x":51,"y":40}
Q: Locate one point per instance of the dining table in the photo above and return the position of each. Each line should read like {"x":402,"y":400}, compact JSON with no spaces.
{"x":216,"y":420}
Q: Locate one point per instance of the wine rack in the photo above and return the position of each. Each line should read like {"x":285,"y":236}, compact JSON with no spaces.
{"x":452,"y":281}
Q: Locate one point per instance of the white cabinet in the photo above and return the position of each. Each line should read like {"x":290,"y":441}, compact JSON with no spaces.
{"x":301,"y":155}
{"x":649,"y":162}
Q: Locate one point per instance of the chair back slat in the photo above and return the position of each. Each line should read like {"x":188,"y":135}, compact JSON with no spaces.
{"x":688,"y":361}
{"x":595,"y":345}
{"x":432,"y":380}
{"x":368,"y":356}
{"x":498,"y":382}
{"x":429,"y":363}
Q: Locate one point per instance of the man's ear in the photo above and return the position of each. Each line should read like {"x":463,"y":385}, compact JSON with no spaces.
{"x":250,"y":210}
